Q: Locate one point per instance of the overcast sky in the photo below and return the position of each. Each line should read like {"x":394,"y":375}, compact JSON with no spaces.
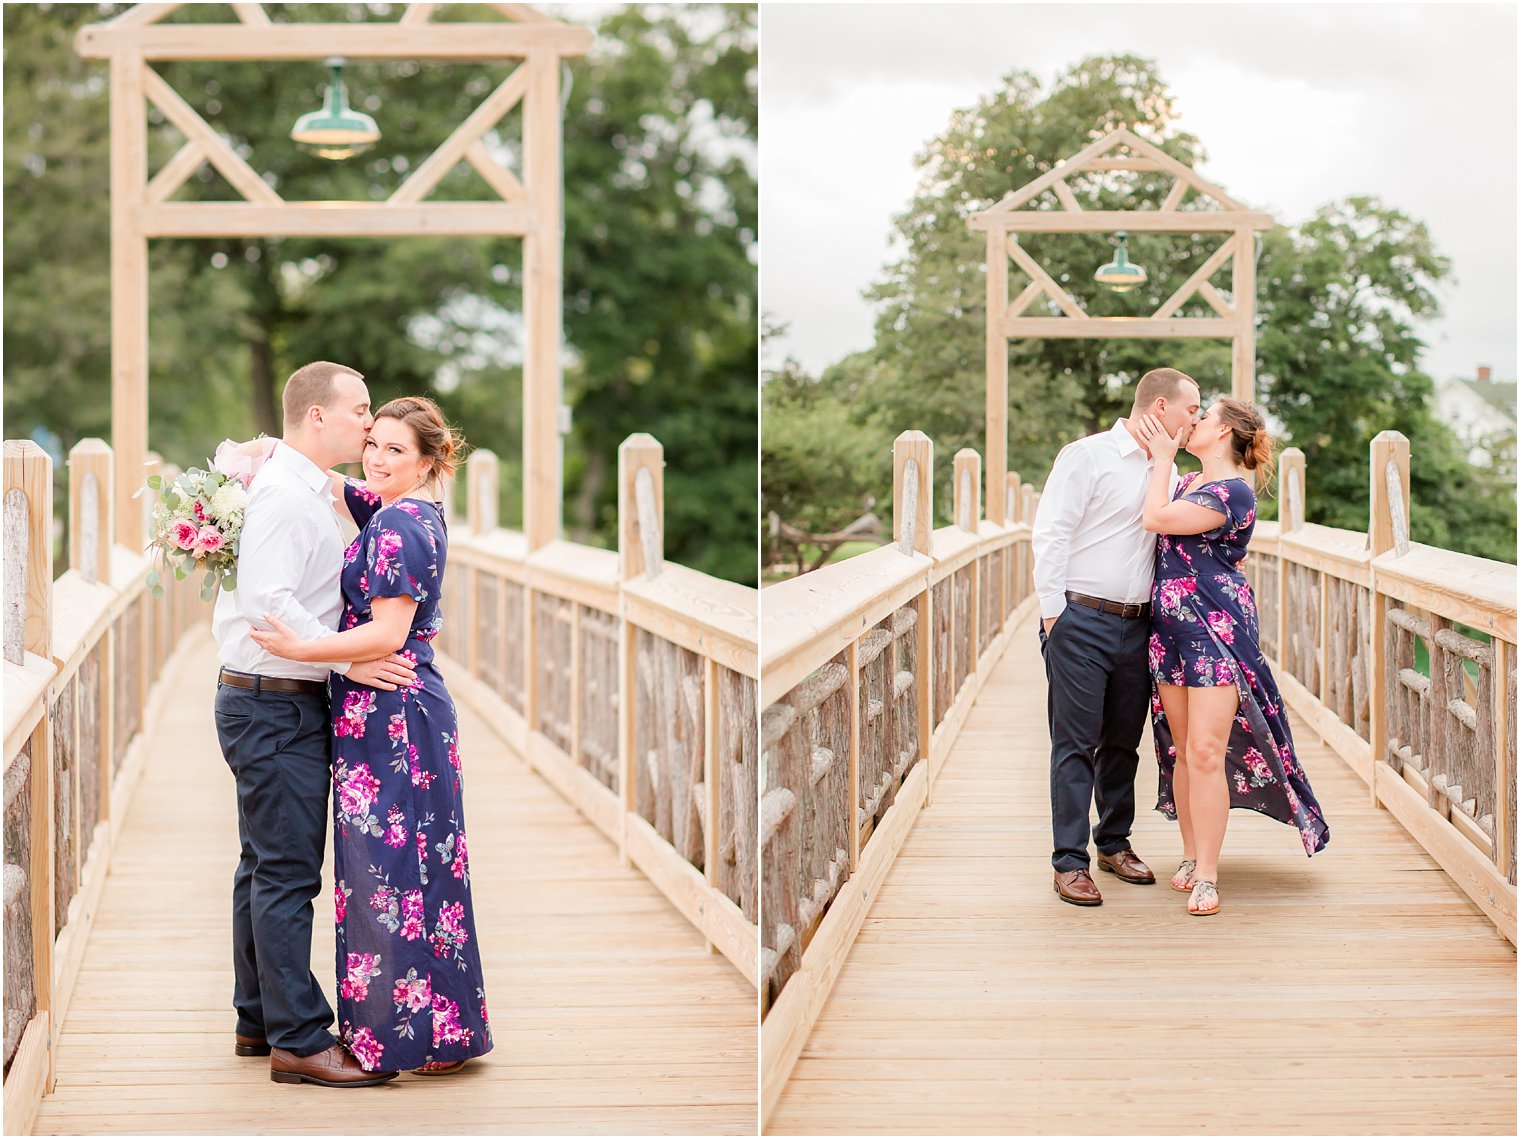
{"x":1295,"y":104}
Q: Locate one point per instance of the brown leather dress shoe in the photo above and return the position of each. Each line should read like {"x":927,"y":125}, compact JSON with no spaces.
{"x":1127,"y":867}
{"x":1078,"y":888}
{"x":249,"y":1045}
{"x":335,"y":1068}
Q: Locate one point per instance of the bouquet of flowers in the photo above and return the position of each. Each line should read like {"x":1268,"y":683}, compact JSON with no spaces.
{"x":198,"y":520}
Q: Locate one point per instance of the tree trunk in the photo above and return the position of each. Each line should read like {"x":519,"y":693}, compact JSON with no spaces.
{"x":583,"y":518}
{"x":266,"y":416}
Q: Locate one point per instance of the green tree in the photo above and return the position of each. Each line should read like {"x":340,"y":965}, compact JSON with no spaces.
{"x":231,"y":317}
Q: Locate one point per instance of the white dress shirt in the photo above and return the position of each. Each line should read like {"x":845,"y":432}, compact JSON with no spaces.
{"x":290,"y":558}
{"x":1088,"y":537}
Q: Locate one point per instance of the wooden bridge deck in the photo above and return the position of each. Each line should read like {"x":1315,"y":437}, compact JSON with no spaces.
{"x":609,"y":1014}
{"x":1358,"y":992}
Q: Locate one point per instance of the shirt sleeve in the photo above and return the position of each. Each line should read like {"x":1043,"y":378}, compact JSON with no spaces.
{"x":273,"y":550}
{"x":401,"y":555}
{"x":362,"y":502}
{"x":1215,"y":496}
{"x":1062,"y":505}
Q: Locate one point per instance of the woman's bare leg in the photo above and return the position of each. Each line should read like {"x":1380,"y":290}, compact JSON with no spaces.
{"x":1174,"y":702}
{"x":1211,"y":712}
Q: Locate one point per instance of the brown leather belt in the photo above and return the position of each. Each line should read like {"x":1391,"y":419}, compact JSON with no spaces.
{"x":271,"y":683}
{"x":1140,"y":609}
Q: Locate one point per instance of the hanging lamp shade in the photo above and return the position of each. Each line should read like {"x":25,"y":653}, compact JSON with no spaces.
{"x":336,"y":131}
{"x":1119,"y":274}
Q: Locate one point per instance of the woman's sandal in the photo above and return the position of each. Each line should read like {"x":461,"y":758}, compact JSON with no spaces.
{"x":1185,"y":872}
{"x":437,"y":1069}
{"x":1204,"y":893}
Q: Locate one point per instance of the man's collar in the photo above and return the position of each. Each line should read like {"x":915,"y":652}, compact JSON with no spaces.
{"x":1128,"y":444}
{"x":300,"y":466}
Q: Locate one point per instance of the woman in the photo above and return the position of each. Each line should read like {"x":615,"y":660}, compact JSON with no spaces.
{"x":410,"y":992}
{"x":1221,"y":732}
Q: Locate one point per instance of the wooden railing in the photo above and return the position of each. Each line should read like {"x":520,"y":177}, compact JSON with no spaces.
{"x":629,"y":683}
{"x":1341,"y":615}
{"x":870,"y":668}
{"x":83,"y":660}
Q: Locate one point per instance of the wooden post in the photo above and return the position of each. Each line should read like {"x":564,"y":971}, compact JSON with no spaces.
{"x":1292,"y":487}
{"x":29,"y":476}
{"x":1388,"y":526}
{"x":852,"y":792}
{"x":1011,"y":500}
{"x":968,"y":489}
{"x":1243,"y":343}
{"x":1387,"y":447}
{"x":712,"y":777}
{"x":482,"y":491}
{"x":543,"y":254}
{"x":92,"y":530}
{"x":913,"y":492}
{"x":29,"y":631}
{"x":129,"y":293}
{"x":1504,"y":838}
{"x":997,"y":372}
{"x":641,"y":505}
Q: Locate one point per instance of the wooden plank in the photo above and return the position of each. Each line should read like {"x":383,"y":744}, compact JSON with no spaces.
{"x":423,"y":180}
{"x":852,"y":802}
{"x":591,"y":972}
{"x":29,"y":470}
{"x":542,"y":301}
{"x":1328,"y":550}
{"x":1132,"y":221}
{"x":997,"y":370}
{"x":1102,"y":327}
{"x":231,"y":165}
{"x":1459,"y":587}
{"x":709,"y":616}
{"x":500,"y":179}
{"x":1027,"y":263}
{"x":1243,"y":285}
{"x":1200,"y":277}
{"x":1032,"y":190}
{"x":949,"y":984}
{"x":335,"y":219}
{"x":712,"y":776}
{"x":1067,"y":198}
{"x":253,"y":15}
{"x":416,"y":14}
{"x":1174,"y":196}
{"x":171,"y":176}
{"x":1339,"y":737}
{"x":1166,"y":162}
{"x":1504,"y":734}
{"x":26,"y":1082}
{"x":461,"y":41}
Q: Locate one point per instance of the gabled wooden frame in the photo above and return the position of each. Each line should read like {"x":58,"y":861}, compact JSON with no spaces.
{"x":529,"y":207}
{"x":1234,"y":319}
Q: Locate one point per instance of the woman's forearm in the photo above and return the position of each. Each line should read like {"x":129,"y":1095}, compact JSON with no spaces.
{"x":367,"y":642}
{"x":1156,"y":495}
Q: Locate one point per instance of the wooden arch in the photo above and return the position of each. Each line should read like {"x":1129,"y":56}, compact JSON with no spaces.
{"x":1022,"y":212}
{"x":528,"y":204}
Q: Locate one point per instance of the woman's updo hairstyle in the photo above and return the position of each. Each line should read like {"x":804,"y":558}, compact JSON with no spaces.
{"x":1250,"y":441}
{"x":436,"y":440}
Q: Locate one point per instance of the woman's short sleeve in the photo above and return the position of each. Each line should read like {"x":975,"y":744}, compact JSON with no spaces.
{"x":401,"y":554}
{"x":1233,"y":498}
{"x":362,"y":502}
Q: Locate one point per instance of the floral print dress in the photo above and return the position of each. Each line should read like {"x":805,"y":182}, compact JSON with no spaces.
{"x":410,"y":989}
{"x":1204,"y":633}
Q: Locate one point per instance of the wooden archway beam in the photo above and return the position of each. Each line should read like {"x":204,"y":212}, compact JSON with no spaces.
{"x":478,"y":42}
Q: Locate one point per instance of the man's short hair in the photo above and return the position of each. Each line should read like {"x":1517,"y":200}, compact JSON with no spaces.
{"x":1160,"y":383}
{"x":312,"y":385}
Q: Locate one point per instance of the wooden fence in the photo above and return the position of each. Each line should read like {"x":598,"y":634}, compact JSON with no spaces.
{"x":83,"y":655}
{"x":629,"y":683}
{"x":1341,"y":614}
{"x":870,"y":669}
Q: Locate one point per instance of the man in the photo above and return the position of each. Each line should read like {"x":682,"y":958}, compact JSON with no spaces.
{"x":1094,"y":563}
{"x":273,"y":721}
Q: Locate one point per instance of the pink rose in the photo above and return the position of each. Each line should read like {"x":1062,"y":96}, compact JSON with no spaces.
{"x":231,"y":462}
{"x":209,"y":540}
{"x":184,"y":535}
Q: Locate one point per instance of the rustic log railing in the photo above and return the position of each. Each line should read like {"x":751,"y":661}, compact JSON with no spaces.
{"x":629,"y":683}
{"x":870,"y":668}
{"x":1341,"y":614}
{"x":83,"y":660}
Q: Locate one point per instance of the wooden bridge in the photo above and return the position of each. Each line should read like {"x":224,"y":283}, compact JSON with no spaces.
{"x":608,"y":712}
{"x":919,"y":975}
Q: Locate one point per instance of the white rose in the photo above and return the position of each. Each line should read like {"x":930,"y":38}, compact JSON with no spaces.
{"x":229,"y":500}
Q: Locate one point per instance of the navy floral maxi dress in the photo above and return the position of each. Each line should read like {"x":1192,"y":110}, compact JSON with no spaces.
{"x":1204,"y":633}
{"x":410,"y":989}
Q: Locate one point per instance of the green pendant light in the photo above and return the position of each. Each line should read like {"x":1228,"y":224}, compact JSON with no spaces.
{"x":1119,"y":274}
{"x":336,"y":131}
